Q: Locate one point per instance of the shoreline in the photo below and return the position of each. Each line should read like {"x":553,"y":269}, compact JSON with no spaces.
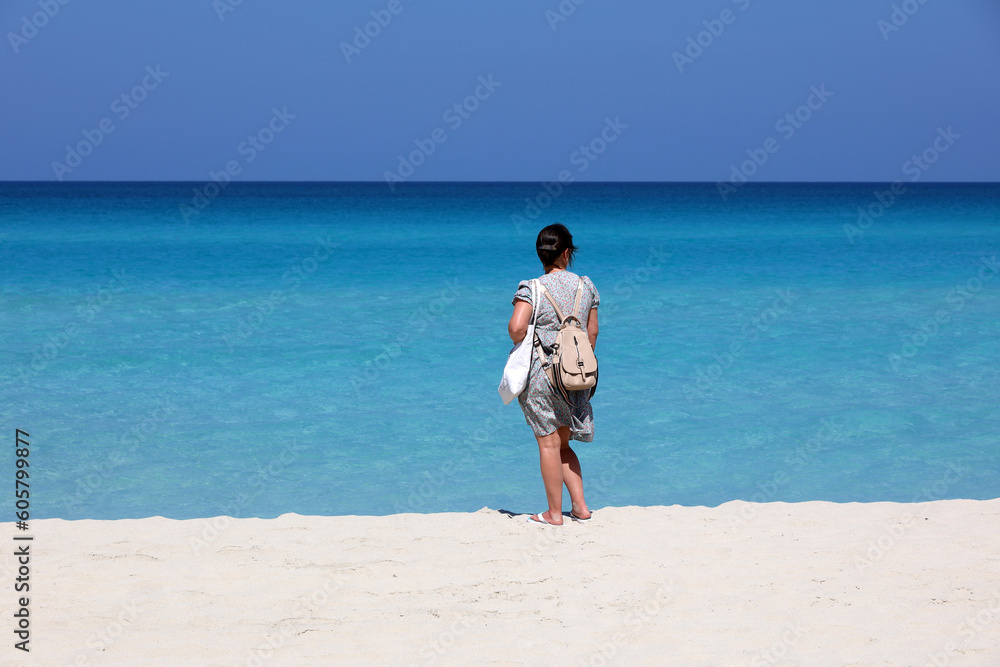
{"x":816,"y":583}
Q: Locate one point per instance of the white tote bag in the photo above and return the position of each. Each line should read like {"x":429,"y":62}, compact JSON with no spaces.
{"x":515,"y":373}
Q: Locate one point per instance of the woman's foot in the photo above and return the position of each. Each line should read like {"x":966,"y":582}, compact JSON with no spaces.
{"x":543,"y":518}
{"x":580,"y":514}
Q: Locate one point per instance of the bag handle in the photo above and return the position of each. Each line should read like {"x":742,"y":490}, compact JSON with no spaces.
{"x":534,"y":301}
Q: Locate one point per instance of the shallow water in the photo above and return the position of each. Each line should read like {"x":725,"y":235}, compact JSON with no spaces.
{"x":335,"y":349}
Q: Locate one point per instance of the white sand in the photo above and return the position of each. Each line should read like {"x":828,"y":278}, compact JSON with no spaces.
{"x":741,"y":584}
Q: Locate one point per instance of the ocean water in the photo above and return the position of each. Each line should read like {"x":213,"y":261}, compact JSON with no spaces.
{"x":335,"y":348}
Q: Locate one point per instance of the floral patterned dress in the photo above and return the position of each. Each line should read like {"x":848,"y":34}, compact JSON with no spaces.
{"x":545,"y":410}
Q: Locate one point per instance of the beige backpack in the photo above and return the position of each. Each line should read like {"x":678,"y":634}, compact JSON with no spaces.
{"x":570,"y":364}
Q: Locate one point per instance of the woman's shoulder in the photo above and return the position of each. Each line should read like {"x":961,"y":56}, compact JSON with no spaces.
{"x":565,"y":278}
{"x":574,"y":279}
{"x":523,"y":291}
{"x":588,"y":283}
{"x":565,"y":275}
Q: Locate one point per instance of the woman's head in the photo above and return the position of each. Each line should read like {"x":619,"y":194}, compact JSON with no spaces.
{"x":552,"y":242}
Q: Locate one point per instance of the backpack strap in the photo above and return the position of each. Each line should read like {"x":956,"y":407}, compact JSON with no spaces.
{"x":579,"y":295}
{"x":555,"y":305}
{"x":576,"y":305}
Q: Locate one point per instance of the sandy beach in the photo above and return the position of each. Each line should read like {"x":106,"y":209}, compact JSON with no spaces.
{"x":812,"y":583}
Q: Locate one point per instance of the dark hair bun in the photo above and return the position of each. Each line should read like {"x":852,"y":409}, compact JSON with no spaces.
{"x":551,"y":243}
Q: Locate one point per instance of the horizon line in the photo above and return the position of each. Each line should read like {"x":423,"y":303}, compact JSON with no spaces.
{"x":500,"y":182}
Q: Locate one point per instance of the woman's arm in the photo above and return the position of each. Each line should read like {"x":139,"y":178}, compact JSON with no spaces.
{"x":592,"y":327}
{"x":518,"y":325}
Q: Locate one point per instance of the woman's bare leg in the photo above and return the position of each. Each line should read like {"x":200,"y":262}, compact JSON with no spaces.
{"x":550,"y":461}
{"x":572,"y":475}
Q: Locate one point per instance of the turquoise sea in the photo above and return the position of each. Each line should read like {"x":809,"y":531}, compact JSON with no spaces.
{"x":335,"y":348}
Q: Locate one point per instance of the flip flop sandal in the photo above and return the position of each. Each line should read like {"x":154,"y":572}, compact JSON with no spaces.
{"x":541,"y":519}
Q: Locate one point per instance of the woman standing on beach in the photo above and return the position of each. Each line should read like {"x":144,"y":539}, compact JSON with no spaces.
{"x":553,"y":421}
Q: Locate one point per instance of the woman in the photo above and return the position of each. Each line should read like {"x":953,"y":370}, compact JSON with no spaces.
{"x":553,"y":421}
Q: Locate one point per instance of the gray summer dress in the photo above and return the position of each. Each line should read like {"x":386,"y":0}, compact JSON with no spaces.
{"x":544,"y":408}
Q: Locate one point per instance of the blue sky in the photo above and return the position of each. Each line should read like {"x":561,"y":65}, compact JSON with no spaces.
{"x":631,"y":91}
